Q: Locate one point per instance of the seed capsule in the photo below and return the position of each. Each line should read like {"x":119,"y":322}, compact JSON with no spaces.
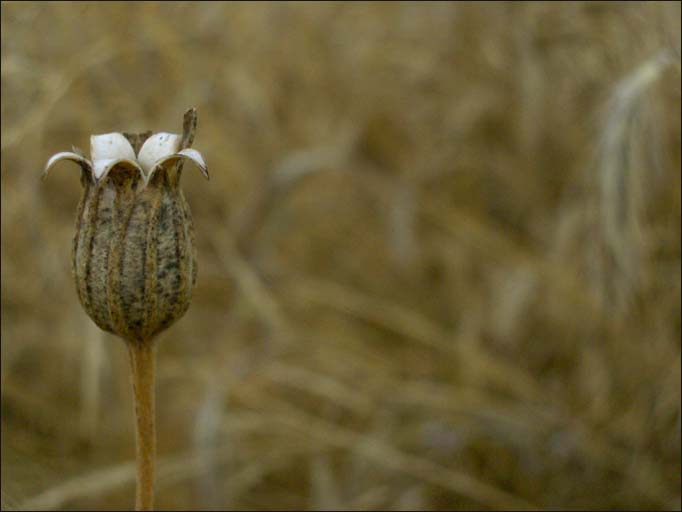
{"x":134,"y":253}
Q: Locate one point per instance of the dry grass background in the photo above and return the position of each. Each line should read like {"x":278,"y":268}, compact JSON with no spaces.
{"x":439,"y":255}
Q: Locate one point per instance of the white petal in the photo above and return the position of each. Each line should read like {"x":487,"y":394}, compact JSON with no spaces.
{"x":102,"y":167}
{"x":185,"y":154}
{"x":197,"y":158}
{"x":65,"y":155}
{"x":109,"y":146}
{"x":156,"y":147}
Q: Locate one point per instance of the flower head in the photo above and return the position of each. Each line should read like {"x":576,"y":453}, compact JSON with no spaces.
{"x":134,"y":256}
{"x":144,"y":153}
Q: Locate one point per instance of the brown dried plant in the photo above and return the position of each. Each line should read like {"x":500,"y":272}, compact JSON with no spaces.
{"x":134,"y":255}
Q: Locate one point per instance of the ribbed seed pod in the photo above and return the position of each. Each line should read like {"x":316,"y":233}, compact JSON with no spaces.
{"x":134,"y":255}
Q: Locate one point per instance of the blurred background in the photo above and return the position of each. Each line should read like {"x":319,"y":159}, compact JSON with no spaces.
{"x":439,"y":255}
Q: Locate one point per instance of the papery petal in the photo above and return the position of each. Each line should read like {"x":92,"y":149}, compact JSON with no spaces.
{"x":110,"y":146}
{"x":186,"y":154}
{"x":66,"y":155}
{"x":197,"y":158}
{"x":156,"y":147}
{"x":102,"y":167}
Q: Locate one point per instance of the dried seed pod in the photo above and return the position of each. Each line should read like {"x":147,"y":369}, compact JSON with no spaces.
{"x":134,"y":255}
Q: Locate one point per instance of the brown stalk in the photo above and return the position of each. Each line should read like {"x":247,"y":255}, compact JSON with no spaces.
{"x":142,"y":367}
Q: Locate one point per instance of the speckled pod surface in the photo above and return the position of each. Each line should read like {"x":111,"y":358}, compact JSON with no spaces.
{"x":134,"y":256}
{"x":134,"y":253}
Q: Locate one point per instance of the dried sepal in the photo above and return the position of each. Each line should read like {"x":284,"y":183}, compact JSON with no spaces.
{"x":189,"y":128}
{"x":137,"y":139}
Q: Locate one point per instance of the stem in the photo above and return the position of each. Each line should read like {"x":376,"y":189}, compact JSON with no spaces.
{"x":142,"y":363}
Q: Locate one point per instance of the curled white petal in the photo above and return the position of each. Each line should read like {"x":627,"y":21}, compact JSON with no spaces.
{"x":185,"y":154}
{"x":110,"y":146}
{"x":102,"y":167}
{"x":65,"y":155}
{"x":156,"y":147}
{"x":197,"y":158}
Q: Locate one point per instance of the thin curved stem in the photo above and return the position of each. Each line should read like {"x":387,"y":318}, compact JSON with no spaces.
{"x":142,"y":366}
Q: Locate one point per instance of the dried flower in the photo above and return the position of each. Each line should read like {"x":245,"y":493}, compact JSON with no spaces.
{"x":134,"y":258}
{"x":134,"y":255}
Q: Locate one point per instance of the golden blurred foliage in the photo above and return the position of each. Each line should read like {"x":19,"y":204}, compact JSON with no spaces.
{"x":439,"y":255}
